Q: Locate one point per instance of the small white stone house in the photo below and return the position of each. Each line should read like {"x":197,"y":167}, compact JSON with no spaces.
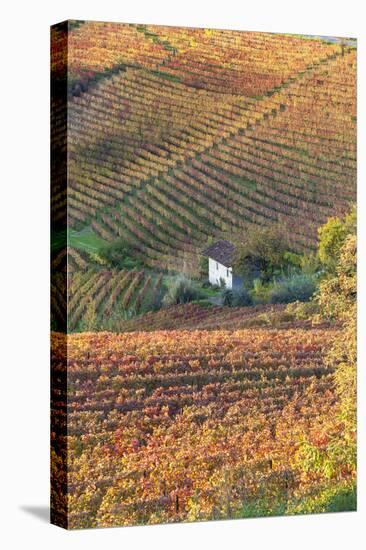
{"x":220,"y":259}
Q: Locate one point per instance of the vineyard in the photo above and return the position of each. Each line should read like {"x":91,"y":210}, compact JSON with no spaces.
{"x":175,"y":398}
{"x":96,"y":297}
{"x":180,"y":426}
{"x":131,"y":300}
{"x":198,"y":317}
{"x":191,"y":133}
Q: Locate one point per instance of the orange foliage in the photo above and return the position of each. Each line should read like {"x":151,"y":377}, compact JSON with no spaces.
{"x":185,"y":425}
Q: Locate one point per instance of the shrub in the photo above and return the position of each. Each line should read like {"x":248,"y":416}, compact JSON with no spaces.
{"x":242,"y":298}
{"x":206,"y":284}
{"x":310,"y":264}
{"x":181,"y":291}
{"x":292,"y":259}
{"x":227,"y":297}
{"x":303,"y":311}
{"x":119,"y":254}
{"x":260,"y":292}
{"x":299,"y":287}
{"x":236,"y":298}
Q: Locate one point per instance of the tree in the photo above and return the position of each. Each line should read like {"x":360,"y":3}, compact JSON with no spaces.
{"x":332,"y":236}
{"x":337,"y":298}
{"x":261,"y":253}
{"x":337,"y":293}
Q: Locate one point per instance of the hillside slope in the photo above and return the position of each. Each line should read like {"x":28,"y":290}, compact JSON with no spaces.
{"x":192,"y":134}
{"x":177,"y":426}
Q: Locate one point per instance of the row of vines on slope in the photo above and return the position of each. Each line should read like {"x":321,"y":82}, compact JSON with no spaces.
{"x":176,"y":426}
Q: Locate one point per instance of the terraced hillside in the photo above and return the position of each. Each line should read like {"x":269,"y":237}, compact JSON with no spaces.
{"x":97,"y":297}
{"x":190,"y":134}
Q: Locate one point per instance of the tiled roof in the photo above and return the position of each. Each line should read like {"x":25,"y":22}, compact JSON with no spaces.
{"x":221,"y":251}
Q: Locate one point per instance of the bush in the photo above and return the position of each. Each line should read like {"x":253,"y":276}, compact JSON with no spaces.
{"x":260,"y":292}
{"x":299,"y":287}
{"x":292,"y":259}
{"x":310,"y":264}
{"x":181,"y":291}
{"x":206,"y":284}
{"x":242,"y":298}
{"x":236,"y":298}
{"x":119,"y":255}
{"x":303,"y":311}
{"x":227,"y":297}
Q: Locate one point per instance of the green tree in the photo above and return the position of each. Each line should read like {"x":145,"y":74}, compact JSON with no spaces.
{"x":337,"y":293}
{"x":332,"y":236}
{"x":337,"y":299}
{"x":261,"y":253}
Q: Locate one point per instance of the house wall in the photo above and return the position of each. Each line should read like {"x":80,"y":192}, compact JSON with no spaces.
{"x":217,"y":271}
